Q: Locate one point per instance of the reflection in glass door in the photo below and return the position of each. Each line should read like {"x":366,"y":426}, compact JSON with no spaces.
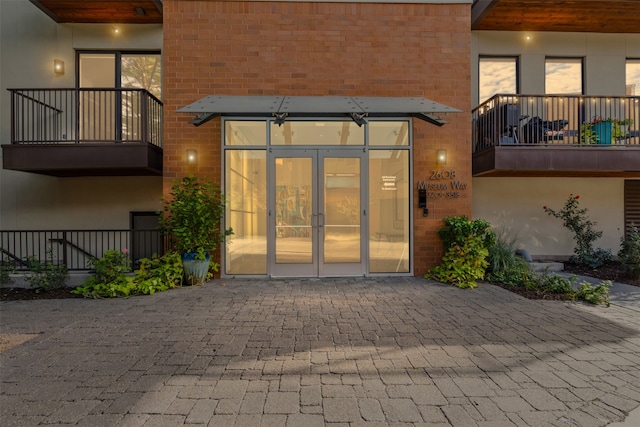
{"x":341,"y":216}
{"x":316,"y":213}
{"x":293,"y":210}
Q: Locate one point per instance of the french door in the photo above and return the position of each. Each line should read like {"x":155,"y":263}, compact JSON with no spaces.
{"x":317,"y":200}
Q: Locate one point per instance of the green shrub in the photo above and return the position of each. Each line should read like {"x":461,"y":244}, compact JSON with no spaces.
{"x":516,"y":277}
{"x":552,"y":284}
{"x":6,"y":269}
{"x":594,"y":293}
{"x":159,"y":273}
{"x":192,"y":216}
{"x":123,"y":287}
{"x":506,"y":268}
{"x":629,"y":254}
{"x":543,"y":284}
{"x":596,"y":258}
{"x":462,"y":264}
{"x":111,"y":267}
{"x":575,"y":220}
{"x":502,"y":257}
{"x":457,"y":228}
{"x":46,"y":275}
{"x":156,"y":274}
{"x":466,"y":244}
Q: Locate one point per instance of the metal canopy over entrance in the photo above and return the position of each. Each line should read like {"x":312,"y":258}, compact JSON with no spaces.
{"x":358,"y":108}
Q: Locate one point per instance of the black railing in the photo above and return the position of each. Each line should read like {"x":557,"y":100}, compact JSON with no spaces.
{"x":74,"y":248}
{"x":63,"y":116}
{"x":556,"y":120}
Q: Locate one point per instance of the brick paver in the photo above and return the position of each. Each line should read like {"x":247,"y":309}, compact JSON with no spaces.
{"x":339,"y":352}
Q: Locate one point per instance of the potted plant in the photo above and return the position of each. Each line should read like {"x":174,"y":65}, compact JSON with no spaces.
{"x":192,"y":219}
{"x":603,"y":131}
{"x":587,"y":134}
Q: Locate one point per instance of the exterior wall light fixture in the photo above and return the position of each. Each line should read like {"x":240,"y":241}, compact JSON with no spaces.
{"x":441,"y":157}
{"x":192,"y":157}
{"x":58,"y":67}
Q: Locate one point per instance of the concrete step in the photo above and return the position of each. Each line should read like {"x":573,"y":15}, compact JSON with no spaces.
{"x":546,"y":266}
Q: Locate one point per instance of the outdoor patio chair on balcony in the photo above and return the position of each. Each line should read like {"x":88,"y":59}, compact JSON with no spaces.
{"x":537,"y":130}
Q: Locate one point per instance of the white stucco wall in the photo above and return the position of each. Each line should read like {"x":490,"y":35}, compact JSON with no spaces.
{"x":515,"y":205}
{"x":605,"y":56}
{"x":29,"y":42}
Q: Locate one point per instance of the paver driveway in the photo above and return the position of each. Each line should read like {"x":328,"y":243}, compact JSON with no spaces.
{"x":343,"y":352}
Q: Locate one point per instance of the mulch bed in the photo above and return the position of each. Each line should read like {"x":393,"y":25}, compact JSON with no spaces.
{"x":27,"y":294}
{"x":613,"y":271}
{"x":532,"y":294}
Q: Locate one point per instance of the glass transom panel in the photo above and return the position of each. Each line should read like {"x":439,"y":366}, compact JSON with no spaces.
{"x":325,"y":133}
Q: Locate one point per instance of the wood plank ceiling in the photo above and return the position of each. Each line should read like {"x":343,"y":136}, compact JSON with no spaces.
{"x":601,"y":16}
{"x":604,"y":16}
{"x":102,"y":11}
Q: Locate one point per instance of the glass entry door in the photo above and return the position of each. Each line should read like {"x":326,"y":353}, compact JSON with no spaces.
{"x":316,"y":213}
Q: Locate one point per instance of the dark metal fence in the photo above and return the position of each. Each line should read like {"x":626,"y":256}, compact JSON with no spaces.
{"x":74,"y":248}
{"x":64,"y":116}
{"x":556,"y":120}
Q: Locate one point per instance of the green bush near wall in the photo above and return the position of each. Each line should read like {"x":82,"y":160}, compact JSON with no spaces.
{"x":466,"y":243}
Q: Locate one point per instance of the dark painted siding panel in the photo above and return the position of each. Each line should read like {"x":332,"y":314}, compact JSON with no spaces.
{"x":631,"y":202}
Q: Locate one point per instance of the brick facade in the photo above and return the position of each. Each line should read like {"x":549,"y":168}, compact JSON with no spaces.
{"x":354,"y":49}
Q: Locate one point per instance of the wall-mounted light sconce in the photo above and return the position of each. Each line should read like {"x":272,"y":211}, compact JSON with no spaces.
{"x":58,"y":67}
{"x":192,"y":157}
{"x":116,"y":30}
{"x":441,"y":157}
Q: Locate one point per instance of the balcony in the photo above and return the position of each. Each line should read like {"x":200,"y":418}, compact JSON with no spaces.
{"x":85,"y":132}
{"x":566,"y":136}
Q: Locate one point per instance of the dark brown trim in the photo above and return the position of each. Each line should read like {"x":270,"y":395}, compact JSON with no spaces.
{"x":108,"y":159}
{"x":560,"y":161}
{"x":51,"y":14}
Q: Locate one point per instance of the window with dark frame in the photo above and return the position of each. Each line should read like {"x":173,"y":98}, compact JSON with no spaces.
{"x":497,"y":74}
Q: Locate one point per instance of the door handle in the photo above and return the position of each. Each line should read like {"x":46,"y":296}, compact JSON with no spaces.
{"x":320,"y":216}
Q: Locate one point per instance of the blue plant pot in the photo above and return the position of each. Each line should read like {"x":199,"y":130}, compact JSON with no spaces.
{"x":603,"y":130}
{"x":195,"y":270}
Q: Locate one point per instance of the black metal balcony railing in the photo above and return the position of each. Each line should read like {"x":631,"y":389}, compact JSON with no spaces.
{"x":74,"y":248}
{"x":64,"y":116}
{"x":512,"y":120}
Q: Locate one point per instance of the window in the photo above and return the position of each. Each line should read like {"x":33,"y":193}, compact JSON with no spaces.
{"x":497,"y":75}
{"x":246,"y":211}
{"x":389,"y":195}
{"x":116,"y":115}
{"x":632,"y":77}
{"x":317,"y":133}
{"x":121,"y":70}
{"x":563,"y":76}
